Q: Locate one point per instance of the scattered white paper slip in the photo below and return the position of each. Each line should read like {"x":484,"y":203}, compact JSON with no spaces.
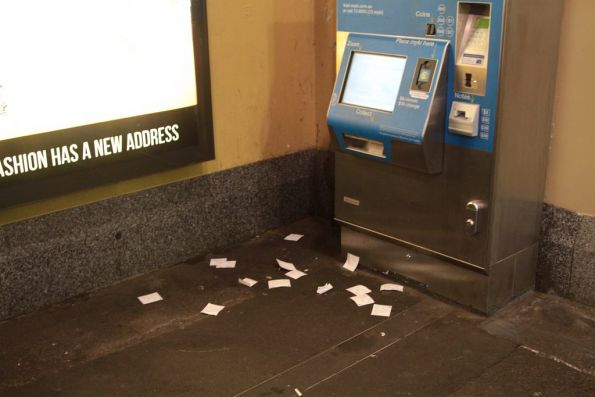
{"x":151,"y":298}
{"x":248,"y":282}
{"x":381,"y":310}
{"x":279,"y":283}
{"x":212,"y":310}
{"x":391,"y":287}
{"x":359,"y":290}
{"x":286,"y":265}
{"x":351,"y":262}
{"x":362,"y":300}
{"x":294,"y":237}
{"x":217,"y":261}
{"x":226,"y":265}
{"x":298,"y":392}
{"x":295,"y":274}
{"x":324,"y":288}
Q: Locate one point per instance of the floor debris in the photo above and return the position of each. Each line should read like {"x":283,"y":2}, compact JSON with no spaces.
{"x":217,"y":261}
{"x":294,"y":237}
{"x":381,"y":310}
{"x":212,"y":310}
{"x":286,"y":265}
{"x":359,"y":290}
{"x":226,"y":265}
{"x":295,"y":274}
{"x":323,"y":289}
{"x":362,"y":300}
{"x":391,"y":287}
{"x":351,"y":263}
{"x":248,"y":282}
{"x":281,"y":283}
{"x":150,"y":298}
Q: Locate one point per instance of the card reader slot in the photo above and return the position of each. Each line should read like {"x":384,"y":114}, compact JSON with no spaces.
{"x":364,"y":145}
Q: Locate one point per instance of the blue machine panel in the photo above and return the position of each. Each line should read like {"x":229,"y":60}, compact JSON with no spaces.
{"x":385,"y":90}
{"x":408,"y":18}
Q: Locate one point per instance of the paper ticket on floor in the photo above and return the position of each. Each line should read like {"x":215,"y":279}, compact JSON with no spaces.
{"x":294,"y":237}
{"x":295,"y":274}
{"x":286,"y":265}
{"x":381,"y":310}
{"x":359,"y":290}
{"x":282,"y":283}
{"x":226,"y":265}
{"x":362,"y":300}
{"x":324,"y":288}
{"x":391,"y":287}
{"x":351,"y":262}
{"x":212,"y":310}
{"x":151,"y":298}
{"x":217,"y":261}
{"x":248,"y":282}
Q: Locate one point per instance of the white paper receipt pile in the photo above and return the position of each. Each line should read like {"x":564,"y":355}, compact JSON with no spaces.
{"x":361,"y":297}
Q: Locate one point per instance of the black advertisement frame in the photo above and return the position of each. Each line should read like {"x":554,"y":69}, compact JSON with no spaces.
{"x":195,"y":143}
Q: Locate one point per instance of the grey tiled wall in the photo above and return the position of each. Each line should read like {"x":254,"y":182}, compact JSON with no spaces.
{"x":54,"y":257}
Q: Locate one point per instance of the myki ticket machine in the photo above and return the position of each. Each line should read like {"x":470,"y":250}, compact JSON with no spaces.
{"x":441,"y":115}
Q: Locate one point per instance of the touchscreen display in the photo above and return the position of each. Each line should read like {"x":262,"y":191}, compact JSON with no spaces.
{"x":373,"y":81}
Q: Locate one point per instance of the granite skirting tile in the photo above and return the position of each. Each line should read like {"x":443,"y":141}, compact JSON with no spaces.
{"x":566,"y":265}
{"x":582,"y":287}
{"x":54,"y":257}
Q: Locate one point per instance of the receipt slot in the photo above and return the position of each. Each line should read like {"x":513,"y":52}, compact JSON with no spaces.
{"x":441,"y":117}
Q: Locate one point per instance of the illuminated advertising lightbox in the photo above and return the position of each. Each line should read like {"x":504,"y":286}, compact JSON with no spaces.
{"x":93,"y":92}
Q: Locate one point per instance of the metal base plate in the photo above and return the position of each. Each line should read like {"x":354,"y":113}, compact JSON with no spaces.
{"x":465,"y":286}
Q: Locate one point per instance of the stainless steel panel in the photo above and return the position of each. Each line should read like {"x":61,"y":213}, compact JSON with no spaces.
{"x":527,"y":83}
{"x":501,"y":283}
{"x":524,"y":270}
{"x":421,"y":209}
{"x":466,"y":287}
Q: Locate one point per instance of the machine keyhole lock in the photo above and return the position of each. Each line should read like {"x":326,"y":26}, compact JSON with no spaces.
{"x":476,"y":214}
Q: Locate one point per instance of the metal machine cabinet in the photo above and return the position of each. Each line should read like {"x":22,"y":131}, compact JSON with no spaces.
{"x":441,"y":115}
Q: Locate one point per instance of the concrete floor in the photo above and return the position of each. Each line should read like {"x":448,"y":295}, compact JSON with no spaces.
{"x":270,"y":342}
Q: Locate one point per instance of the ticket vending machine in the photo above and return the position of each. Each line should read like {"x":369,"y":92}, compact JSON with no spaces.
{"x":441,"y":117}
